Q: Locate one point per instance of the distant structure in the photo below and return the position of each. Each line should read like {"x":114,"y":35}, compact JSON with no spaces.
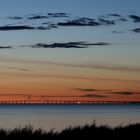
{"x":43,"y":99}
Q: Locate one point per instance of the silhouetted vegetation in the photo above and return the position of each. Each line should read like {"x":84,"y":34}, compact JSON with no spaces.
{"x":79,"y":132}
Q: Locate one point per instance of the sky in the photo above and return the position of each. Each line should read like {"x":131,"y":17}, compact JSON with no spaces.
{"x":87,"y":49}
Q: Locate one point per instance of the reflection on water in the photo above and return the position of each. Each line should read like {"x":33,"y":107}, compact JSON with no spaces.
{"x":61,"y":116}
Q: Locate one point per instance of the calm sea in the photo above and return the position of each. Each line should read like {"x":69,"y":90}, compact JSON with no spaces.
{"x":61,"y":116}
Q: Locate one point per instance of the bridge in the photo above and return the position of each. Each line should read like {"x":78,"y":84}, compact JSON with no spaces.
{"x":43,"y":99}
{"x":68,"y":102}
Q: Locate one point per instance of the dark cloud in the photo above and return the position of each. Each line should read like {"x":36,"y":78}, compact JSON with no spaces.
{"x":137,"y":30}
{"x":23,"y":27}
{"x":108,"y":19}
{"x":40,"y":16}
{"x":65,"y":45}
{"x":99,"y":44}
{"x":123,"y":93}
{"x":90,"y":89}
{"x":57,"y":15}
{"x":79,"y":22}
{"x":9,"y":28}
{"x":135,"y":18}
{"x":60,"y":45}
{"x":122,"y":19}
{"x":33,"y":17}
{"x":47,"y":27}
{"x":47,"y":23}
{"x":105,"y":21}
{"x":86,"y":22}
{"x":85,"y":89}
{"x":117,"y":32}
{"x":51,"y":26}
{"x":16,"y":17}
{"x":19,"y":69}
{"x":94,"y":96}
{"x":5,"y":47}
{"x":42,"y":28}
{"x":114,"y":15}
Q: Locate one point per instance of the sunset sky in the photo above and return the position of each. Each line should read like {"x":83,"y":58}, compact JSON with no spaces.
{"x":83,"y":48}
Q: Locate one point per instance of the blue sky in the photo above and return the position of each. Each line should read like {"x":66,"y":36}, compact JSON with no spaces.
{"x":81,"y":8}
{"x":75,"y":6}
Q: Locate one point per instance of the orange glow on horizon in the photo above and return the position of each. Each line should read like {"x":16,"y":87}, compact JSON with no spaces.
{"x":56,"y":80}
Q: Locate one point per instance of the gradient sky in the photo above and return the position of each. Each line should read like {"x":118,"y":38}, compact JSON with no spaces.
{"x":108,"y":69}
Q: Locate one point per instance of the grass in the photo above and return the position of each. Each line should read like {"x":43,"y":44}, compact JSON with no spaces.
{"x":86,"y":132}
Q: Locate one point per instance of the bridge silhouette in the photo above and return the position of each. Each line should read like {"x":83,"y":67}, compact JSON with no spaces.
{"x":44,"y":99}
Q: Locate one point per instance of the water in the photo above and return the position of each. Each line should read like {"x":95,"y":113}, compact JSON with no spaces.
{"x":61,"y":116}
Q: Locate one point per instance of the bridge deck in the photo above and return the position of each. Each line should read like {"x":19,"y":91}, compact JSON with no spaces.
{"x":67,"y":102}
{"x":43,"y":99}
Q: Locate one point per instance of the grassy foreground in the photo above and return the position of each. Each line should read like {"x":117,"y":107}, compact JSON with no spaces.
{"x":79,"y":132}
